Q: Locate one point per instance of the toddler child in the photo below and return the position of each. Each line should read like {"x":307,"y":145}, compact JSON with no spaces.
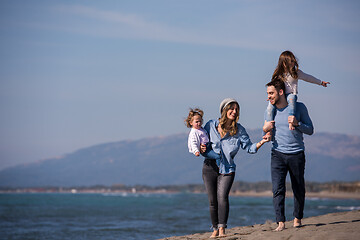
{"x":198,"y":136}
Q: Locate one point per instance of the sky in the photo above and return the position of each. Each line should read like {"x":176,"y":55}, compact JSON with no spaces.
{"x":74,"y":74}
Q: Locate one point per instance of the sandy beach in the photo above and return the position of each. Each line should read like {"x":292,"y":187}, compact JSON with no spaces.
{"x":323,"y":194}
{"x":343,"y":225}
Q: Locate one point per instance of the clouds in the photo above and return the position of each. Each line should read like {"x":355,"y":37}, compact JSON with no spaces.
{"x":258,"y":25}
{"x":115,"y":24}
{"x":261,"y":26}
{"x":227,"y":32}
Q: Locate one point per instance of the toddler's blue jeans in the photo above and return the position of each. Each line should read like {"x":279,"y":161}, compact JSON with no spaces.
{"x":270,"y":110}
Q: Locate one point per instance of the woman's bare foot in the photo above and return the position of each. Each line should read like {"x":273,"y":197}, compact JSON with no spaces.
{"x":280,"y":227}
{"x":215,"y":234}
{"x":297,"y":222}
{"x":222,"y":232}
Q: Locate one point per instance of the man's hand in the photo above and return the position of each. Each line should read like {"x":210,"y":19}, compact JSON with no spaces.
{"x":197,"y":154}
{"x":293,"y":121}
{"x":202,"y":148}
{"x":268,"y":126}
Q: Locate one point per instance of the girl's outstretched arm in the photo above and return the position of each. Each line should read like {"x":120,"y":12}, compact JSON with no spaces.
{"x":308,"y":78}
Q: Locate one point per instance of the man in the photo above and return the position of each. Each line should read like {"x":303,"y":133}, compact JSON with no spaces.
{"x":287,"y":154}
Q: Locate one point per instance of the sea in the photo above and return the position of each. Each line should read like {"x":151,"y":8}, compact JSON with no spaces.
{"x":130,"y":216}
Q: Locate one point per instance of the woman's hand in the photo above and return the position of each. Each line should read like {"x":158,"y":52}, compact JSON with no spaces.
{"x":202,"y":148}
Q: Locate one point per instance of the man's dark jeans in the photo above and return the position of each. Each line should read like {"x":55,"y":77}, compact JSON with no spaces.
{"x":281,"y":164}
{"x":218,"y":188}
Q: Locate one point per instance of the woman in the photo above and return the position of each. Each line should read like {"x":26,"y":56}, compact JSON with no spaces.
{"x":226,"y":136}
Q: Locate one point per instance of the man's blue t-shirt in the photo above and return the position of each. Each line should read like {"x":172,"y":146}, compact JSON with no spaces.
{"x":291,"y":141}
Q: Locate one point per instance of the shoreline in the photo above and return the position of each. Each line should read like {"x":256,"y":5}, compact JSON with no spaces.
{"x":341,"y":225}
{"x":322,"y":194}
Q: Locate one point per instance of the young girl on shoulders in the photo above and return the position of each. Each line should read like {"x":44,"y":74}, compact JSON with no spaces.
{"x":198,"y":136}
{"x":288,"y":71}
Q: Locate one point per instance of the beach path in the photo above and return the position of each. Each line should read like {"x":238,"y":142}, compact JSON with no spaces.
{"x":342,"y":225}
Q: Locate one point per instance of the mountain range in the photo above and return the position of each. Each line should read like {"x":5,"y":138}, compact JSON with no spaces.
{"x":166,"y":161}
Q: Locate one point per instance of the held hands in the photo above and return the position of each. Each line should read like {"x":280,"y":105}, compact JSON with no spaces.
{"x":324,"y":84}
{"x":266,"y":137}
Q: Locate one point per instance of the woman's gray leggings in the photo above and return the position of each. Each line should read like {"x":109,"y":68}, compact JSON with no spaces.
{"x":218,"y":188}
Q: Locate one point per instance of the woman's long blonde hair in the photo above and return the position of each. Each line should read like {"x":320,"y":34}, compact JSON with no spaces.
{"x":283,"y":67}
{"x":233,"y":127}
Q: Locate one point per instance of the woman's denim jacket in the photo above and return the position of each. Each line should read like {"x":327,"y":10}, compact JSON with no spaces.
{"x":228,"y":146}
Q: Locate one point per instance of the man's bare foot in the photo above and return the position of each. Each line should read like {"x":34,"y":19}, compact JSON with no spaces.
{"x":291,"y":126}
{"x":222,"y":232}
{"x":297,"y":222}
{"x":280,"y":227}
{"x":215,"y":234}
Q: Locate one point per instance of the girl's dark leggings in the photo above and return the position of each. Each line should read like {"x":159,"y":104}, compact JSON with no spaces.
{"x":218,"y":188}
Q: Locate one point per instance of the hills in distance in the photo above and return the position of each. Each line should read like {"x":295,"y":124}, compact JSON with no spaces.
{"x":166,"y":161}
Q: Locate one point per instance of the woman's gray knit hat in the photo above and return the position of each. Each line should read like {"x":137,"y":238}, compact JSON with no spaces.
{"x":226,"y":102}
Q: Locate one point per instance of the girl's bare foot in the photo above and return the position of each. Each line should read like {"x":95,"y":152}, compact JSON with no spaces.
{"x":297,"y":222}
{"x":215,"y":234}
{"x":280,"y":227}
{"x":222,"y":232}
